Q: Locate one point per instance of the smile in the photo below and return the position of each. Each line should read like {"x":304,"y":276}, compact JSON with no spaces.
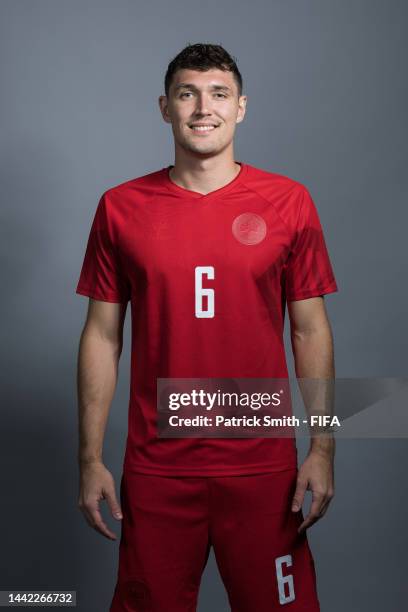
{"x":203,"y":129}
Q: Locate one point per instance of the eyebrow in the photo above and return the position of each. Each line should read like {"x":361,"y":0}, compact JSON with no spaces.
{"x":192,"y":86}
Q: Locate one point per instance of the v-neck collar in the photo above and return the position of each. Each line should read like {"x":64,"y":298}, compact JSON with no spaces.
{"x":188,"y":193}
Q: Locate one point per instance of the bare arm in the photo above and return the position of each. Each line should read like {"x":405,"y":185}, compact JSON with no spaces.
{"x":312,"y":345}
{"x":100,"y":348}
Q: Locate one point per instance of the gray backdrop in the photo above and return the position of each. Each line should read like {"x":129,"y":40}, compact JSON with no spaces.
{"x":327,"y":99}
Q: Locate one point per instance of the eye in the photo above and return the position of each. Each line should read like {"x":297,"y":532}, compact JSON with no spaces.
{"x":186,"y":93}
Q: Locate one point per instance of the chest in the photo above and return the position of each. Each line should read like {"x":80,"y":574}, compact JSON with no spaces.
{"x":240,"y":241}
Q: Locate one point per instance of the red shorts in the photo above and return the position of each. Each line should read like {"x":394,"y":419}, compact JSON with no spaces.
{"x":169,"y":525}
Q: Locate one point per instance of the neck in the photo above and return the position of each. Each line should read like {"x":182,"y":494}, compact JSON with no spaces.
{"x":203,"y":174}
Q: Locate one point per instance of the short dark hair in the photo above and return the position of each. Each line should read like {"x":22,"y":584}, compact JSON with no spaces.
{"x":203,"y":57}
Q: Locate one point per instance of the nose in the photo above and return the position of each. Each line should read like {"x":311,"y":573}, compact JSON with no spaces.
{"x":203,"y":106}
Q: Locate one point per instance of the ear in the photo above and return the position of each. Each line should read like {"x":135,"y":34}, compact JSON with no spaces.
{"x":163,"y":105}
{"x":241,"y":108}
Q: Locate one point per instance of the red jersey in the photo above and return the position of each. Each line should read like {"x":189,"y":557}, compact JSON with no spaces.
{"x":259,"y":243}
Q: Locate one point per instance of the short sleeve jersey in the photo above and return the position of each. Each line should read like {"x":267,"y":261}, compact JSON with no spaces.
{"x":261,"y":236}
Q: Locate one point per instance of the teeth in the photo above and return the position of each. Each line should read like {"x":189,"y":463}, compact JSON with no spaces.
{"x":203,"y":128}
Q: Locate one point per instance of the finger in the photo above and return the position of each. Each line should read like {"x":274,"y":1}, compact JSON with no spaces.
{"x":323,"y":511}
{"x":325,"y":506}
{"x":113,"y":503}
{"x":95,"y":520}
{"x":99,"y":524}
{"x":314,"y":513}
{"x":298,"y":497}
{"x":318,"y":509}
{"x":308,"y":522}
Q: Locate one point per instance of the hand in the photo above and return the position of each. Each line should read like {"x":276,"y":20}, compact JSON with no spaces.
{"x":315,"y":474}
{"x":97,"y":483}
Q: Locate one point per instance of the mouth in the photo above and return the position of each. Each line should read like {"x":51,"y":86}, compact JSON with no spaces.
{"x":203,"y":128}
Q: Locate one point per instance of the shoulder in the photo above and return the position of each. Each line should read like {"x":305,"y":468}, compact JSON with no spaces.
{"x":286,"y":194}
{"x":135,"y":191}
{"x":145,"y":183}
{"x":261,"y":178}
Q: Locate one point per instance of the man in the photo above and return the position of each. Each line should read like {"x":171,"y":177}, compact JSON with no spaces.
{"x":249,"y":240}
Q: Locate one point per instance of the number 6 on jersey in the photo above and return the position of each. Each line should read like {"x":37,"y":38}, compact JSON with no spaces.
{"x":200,"y":292}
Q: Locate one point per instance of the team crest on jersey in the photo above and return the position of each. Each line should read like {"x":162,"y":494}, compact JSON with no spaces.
{"x":249,"y":228}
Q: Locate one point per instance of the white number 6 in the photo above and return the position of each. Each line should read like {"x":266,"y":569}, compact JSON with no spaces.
{"x":200,"y":313}
{"x":284,"y":580}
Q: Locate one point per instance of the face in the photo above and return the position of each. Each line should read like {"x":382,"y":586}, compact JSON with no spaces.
{"x":207,"y":99}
